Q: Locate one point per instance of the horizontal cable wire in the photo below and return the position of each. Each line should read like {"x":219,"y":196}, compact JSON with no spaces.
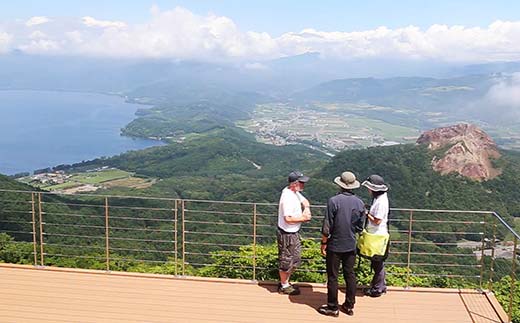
{"x":439,"y":221}
{"x":135,"y":239}
{"x":73,"y":256}
{"x":73,"y":246}
{"x":223,"y":266}
{"x":72,"y":235}
{"x":137,"y":260}
{"x":216,"y":244}
{"x":218,"y":212}
{"x":220,"y":234}
{"x":74,"y":214}
{"x":73,"y":204}
{"x":220,"y":223}
{"x":145,"y":250}
{"x":17,"y":232}
{"x":220,"y":255}
{"x":15,"y":202}
{"x":426,"y":243}
{"x":140,"y":208}
{"x":74,"y":225}
{"x":433,"y":254}
{"x":445,"y":265}
{"x":15,"y":222}
{"x":141,"y":229}
{"x":140,"y":219}
{"x":15,"y":211}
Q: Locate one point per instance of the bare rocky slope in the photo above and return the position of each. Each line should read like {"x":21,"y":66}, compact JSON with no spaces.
{"x":464,"y":149}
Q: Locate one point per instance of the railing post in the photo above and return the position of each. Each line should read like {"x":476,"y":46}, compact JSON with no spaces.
{"x":492,"y":265}
{"x":409,"y":250}
{"x":183,"y":240}
{"x":33,"y":212}
{"x":513,"y":281}
{"x":41,"y":228}
{"x":254,"y":241}
{"x":175,"y":213}
{"x":482,"y":247}
{"x":107,"y":246}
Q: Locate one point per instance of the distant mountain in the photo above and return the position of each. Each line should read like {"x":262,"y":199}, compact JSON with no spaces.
{"x":486,"y":98}
{"x":488,"y":68}
{"x":427,"y":94}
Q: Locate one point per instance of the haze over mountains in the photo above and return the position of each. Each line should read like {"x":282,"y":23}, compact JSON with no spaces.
{"x":294,"y":73}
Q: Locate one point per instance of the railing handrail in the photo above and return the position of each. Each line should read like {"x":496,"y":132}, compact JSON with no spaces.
{"x":511,"y":230}
{"x":247,"y":203}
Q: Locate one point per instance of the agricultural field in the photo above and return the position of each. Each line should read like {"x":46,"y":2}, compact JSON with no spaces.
{"x":334,"y":127}
{"x":87,"y":181}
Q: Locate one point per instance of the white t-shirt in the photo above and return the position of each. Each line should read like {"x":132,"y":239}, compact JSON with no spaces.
{"x":379,"y":210}
{"x":290,"y":205}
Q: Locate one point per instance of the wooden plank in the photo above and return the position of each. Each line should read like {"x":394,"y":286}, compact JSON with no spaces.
{"x":41,"y":295}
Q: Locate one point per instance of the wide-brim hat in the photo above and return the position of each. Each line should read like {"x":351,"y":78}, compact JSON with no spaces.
{"x":375,"y":183}
{"x":347,"y":180}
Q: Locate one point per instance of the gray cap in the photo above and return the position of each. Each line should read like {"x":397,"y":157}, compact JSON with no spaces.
{"x":297,"y":176}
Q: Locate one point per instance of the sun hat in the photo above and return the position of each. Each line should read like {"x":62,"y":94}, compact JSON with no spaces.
{"x":347,"y":180}
{"x":297,"y":176}
{"x":375,"y":183}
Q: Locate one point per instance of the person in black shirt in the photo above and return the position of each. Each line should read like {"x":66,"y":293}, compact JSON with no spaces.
{"x":343,"y":218}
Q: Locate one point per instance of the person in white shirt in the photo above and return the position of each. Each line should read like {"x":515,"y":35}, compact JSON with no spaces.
{"x":293,"y":210}
{"x":377,"y":224}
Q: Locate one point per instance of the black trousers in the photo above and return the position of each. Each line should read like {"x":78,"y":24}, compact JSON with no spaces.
{"x":347,"y":261}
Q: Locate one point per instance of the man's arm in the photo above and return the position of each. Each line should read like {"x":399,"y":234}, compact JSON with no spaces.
{"x":306,"y":213}
{"x":377,"y":215}
{"x":326,"y":228}
{"x":373,"y":219}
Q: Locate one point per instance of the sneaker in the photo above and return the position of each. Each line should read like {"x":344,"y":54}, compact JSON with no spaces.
{"x":326,"y":310}
{"x":347,"y":309}
{"x":373,"y":293}
{"x":289,"y":290}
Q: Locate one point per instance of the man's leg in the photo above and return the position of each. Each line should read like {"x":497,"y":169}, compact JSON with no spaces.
{"x":378,"y":283}
{"x":288,"y":244}
{"x":332,"y":261}
{"x":348,"y":261}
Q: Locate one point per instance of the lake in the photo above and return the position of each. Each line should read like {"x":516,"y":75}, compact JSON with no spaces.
{"x":41,"y":129}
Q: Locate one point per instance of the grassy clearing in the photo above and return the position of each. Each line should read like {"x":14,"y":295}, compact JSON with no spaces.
{"x":100,"y":176}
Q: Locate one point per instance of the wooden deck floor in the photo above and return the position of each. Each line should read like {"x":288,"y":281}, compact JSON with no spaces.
{"x":30,"y":294}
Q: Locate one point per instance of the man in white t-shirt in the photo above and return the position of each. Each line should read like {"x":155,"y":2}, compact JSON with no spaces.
{"x":293,"y":210}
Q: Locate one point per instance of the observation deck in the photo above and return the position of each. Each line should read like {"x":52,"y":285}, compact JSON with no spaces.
{"x":93,"y":258}
{"x":30,"y":294}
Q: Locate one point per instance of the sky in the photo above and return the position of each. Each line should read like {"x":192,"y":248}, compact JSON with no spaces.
{"x":457,"y":30}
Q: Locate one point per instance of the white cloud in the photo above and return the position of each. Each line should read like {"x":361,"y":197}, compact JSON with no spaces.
{"x":5,"y":39}
{"x":92,"y":22}
{"x":37,"y":35}
{"x":37,"y":21}
{"x":506,"y":93}
{"x":41,"y":46}
{"x":180,"y":34}
{"x":74,"y":36}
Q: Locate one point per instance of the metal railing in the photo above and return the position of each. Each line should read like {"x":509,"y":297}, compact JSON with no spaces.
{"x":237,"y":239}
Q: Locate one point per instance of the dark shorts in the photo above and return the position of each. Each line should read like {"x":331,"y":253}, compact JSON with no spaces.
{"x":289,"y":250}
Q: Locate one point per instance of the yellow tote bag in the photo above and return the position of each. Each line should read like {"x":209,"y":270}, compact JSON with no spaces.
{"x":370,"y":244}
